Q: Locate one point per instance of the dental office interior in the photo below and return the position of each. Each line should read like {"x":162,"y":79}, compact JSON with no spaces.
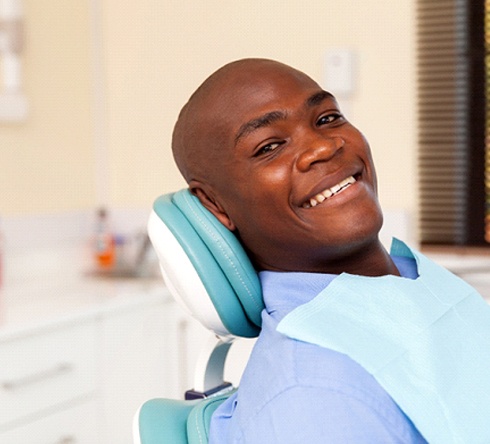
{"x":89,"y":93}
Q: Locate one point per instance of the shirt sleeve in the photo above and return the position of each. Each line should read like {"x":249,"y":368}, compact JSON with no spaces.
{"x":312,"y":415}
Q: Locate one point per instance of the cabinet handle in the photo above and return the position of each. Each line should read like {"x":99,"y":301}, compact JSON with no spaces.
{"x":67,"y":440}
{"x":35,"y":378}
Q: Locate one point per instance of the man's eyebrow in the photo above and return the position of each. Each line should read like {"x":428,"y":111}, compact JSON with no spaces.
{"x":318,"y":98}
{"x":259,"y":122}
{"x":274,"y":116}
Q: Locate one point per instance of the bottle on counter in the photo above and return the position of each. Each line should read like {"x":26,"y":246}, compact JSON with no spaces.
{"x":104,"y":244}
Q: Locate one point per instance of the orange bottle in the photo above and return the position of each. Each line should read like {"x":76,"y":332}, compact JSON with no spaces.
{"x":104,"y":246}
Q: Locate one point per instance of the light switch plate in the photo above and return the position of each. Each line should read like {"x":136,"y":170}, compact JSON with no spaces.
{"x":340,"y":72}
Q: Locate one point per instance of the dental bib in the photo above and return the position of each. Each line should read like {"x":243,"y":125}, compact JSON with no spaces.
{"x":426,"y":341}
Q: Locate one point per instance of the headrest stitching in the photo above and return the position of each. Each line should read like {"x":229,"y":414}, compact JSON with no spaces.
{"x":198,"y":429}
{"x":206,"y":226}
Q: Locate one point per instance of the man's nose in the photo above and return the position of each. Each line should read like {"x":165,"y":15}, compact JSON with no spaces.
{"x":320,"y":149}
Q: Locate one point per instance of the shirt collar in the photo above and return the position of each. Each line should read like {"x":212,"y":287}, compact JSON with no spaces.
{"x":284,"y":291}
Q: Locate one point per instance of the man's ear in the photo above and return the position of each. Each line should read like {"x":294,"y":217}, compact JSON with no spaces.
{"x":207,"y":199}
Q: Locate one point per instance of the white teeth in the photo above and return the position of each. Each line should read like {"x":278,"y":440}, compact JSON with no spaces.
{"x":324,"y":195}
{"x":320,"y":198}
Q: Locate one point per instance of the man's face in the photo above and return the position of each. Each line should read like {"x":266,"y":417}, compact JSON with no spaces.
{"x":295,"y":178}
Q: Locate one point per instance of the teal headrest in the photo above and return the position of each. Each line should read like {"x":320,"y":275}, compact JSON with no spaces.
{"x":218,"y":258}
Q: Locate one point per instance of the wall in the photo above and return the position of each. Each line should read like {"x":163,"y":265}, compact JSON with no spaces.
{"x":46,"y":162}
{"x":101,"y":119}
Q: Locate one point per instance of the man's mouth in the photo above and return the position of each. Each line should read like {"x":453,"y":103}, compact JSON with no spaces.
{"x":329,"y":192}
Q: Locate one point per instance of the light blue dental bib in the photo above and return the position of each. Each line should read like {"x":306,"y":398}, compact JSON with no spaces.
{"x":426,"y":341}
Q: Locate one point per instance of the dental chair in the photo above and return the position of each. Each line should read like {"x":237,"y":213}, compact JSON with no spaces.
{"x":208,"y":272}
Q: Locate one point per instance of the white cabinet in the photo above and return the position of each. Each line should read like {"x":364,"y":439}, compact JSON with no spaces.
{"x":72,"y":425}
{"x":80,"y":380}
{"x":135,"y":365}
{"x":43,"y":375}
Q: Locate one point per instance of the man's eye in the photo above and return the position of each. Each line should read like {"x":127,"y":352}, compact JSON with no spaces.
{"x":329,"y":118}
{"x":266,"y":149}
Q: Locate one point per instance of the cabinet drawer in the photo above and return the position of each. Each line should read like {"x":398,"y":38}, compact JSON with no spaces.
{"x":76,"y":425}
{"x":41,"y":371}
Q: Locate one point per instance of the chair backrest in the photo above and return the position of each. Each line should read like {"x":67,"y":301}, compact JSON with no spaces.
{"x":205,"y":267}
{"x":209,"y":273}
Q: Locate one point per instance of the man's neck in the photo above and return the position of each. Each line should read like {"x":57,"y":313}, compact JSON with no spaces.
{"x":370,"y":260}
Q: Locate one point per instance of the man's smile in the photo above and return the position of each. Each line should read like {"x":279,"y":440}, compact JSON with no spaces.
{"x":329,"y":192}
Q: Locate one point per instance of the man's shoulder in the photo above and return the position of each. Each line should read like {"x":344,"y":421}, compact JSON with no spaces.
{"x":279,"y":363}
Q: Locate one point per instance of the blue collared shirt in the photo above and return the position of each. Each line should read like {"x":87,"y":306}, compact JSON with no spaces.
{"x":294,"y":392}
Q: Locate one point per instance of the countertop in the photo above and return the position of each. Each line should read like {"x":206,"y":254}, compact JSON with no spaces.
{"x":41,"y":289}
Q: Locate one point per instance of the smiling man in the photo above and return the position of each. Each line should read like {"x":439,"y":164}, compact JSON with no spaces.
{"x":270,"y":154}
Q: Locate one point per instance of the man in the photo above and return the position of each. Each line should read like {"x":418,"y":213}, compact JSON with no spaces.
{"x":270,"y":154}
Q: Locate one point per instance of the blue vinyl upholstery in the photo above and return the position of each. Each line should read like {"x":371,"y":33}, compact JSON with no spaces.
{"x":169,"y":421}
{"x":219,"y":259}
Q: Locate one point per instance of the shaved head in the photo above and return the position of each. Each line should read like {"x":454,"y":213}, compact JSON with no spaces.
{"x":201,"y":130}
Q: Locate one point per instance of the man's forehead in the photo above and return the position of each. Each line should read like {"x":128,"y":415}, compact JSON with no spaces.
{"x":244,"y":90}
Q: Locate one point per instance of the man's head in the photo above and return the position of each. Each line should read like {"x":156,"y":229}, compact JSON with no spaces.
{"x":269,"y":153}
